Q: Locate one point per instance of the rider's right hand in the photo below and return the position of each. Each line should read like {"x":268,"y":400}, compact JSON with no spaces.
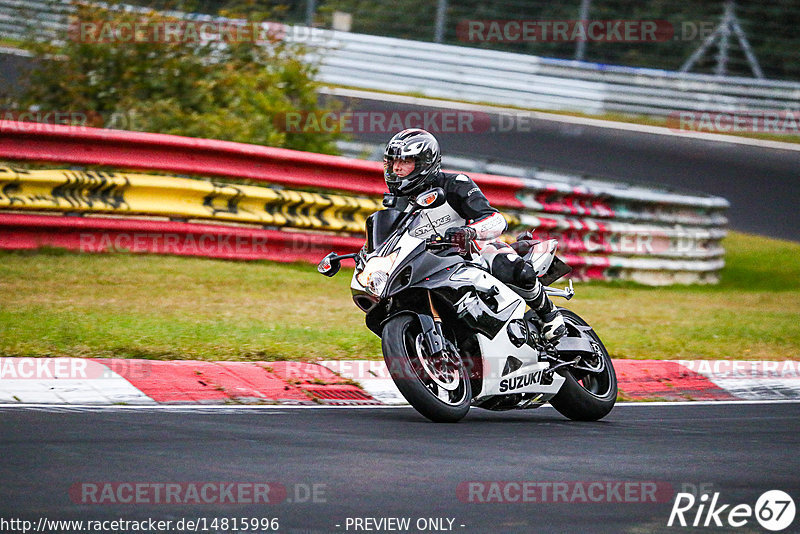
{"x":461,"y":236}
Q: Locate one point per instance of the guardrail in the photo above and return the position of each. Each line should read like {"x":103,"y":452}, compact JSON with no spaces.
{"x":81,"y":192}
{"x":600,"y":232}
{"x":480,"y":75}
{"x":488,"y":76}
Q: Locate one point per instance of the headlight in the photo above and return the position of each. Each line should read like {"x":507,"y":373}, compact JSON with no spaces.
{"x":377,"y":282}
{"x":376,"y":273}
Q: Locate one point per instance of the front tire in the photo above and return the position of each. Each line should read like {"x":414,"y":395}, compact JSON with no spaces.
{"x":586,"y":396}
{"x":439,"y":388}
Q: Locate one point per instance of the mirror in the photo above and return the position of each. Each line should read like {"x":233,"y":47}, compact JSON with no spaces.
{"x":431,"y":199}
{"x":329,"y":265}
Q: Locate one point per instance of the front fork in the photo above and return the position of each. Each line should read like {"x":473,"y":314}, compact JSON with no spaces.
{"x":432,"y":330}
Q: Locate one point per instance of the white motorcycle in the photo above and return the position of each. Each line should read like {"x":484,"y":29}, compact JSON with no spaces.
{"x":454,"y":336}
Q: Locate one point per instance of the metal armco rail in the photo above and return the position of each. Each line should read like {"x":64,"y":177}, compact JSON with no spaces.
{"x":168,"y":196}
{"x":611,"y":233}
{"x":137,"y":150}
{"x":490,"y":76}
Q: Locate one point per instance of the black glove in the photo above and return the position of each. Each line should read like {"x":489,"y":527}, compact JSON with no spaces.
{"x":460,"y":236}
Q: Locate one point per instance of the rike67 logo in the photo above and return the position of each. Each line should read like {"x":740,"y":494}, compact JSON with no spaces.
{"x":774,"y":510}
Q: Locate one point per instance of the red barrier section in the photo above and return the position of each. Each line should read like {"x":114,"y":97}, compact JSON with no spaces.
{"x":321,"y":383}
{"x":219,"y":382}
{"x":94,"y":234}
{"x":187,"y":155}
{"x":665,"y":380}
{"x":204,"y":382}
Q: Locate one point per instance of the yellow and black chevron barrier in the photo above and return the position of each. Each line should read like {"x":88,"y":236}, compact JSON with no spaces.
{"x":170,"y":196}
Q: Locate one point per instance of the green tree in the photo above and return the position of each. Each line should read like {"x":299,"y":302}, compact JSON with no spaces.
{"x":236,"y":89}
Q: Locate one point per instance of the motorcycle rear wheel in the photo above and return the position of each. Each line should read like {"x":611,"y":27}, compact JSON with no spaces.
{"x":586,"y":396}
{"x":439,"y":388}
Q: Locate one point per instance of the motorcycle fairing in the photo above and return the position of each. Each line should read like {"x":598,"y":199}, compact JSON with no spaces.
{"x":496,"y":343}
{"x":530,"y":376}
{"x":541,"y":256}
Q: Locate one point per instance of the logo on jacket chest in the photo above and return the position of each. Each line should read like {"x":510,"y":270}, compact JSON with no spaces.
{"x":441,"y":218}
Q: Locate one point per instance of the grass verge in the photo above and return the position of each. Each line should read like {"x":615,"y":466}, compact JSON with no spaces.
{"x":57,"y":303}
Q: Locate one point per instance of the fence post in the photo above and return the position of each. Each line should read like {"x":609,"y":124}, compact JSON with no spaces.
{"x":583,"y":17}
{"x":441,"y":17}
{"x":311,"y":8}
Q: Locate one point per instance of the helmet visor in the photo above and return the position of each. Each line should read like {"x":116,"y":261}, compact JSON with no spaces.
{"x":398,"y":168}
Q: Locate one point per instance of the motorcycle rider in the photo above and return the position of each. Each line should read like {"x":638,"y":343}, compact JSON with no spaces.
{"x":412,"y":164}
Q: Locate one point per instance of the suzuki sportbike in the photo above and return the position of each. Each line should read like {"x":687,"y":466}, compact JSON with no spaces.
{"x":454,"y":336}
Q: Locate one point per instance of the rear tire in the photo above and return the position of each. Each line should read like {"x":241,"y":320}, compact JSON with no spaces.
{"x":411,"y":372}
{"x":586,"y":396}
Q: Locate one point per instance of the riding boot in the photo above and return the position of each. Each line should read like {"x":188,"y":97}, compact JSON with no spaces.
{"x":553,"y":323}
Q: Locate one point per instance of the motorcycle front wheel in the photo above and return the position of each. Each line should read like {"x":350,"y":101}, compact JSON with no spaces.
{"x":437,"y":388}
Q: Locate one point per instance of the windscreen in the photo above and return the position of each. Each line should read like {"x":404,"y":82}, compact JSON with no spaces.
{"x":379,"y":226}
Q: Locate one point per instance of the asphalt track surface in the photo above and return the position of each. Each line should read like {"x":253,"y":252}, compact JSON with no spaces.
{"x":390,"y":462}
{"x":762,"y":184}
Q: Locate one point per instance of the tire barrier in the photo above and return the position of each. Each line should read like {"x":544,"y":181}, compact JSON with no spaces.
{"x":291,"y":168}
{"x":610,"y":201}
{"x":593,"y":236}
{"x":606,"y":230}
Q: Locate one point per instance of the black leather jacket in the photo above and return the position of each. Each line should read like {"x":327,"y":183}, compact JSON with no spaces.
{"x":470,"y":205}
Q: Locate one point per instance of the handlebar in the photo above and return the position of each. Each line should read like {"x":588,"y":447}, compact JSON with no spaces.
{"x":437,"y":241}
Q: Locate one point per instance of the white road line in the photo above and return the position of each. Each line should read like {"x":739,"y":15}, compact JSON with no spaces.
{"x":708,"y":403}
{"x":189,"y":407}
{"x":553,"y":117}
{"x":279,"y":408}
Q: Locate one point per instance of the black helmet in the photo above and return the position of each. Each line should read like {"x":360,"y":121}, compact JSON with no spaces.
{"x":415,"y":144}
